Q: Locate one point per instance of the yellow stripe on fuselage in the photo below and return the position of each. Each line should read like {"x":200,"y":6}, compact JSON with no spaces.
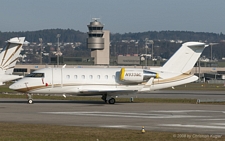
{"x":122,"y":72}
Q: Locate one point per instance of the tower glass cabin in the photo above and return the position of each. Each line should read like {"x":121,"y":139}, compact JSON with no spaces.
{"x":95,"y":38}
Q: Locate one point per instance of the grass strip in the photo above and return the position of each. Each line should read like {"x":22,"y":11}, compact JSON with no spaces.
{"x":40,"y":132}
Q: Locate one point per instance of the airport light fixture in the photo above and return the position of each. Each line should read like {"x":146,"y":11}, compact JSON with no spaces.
{"x":136,"y":44}
{"x":40,"y":40}
{"x":152,"y":42}
{"x":212,"y":44}
{"x":58,"y":50}
{"x":199,"y":70}
{"x":146,"y":47}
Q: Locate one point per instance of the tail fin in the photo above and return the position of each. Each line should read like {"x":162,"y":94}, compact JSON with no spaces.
{"x":9,"y":55}
{"x":185,"y":57}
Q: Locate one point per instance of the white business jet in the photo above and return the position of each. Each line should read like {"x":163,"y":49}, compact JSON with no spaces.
{"x":8,"y":58}
{"x":111,"y":82}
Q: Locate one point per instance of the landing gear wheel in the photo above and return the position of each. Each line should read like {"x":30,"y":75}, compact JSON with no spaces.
{"x":30,"y":101}
{"x":112,"y":101}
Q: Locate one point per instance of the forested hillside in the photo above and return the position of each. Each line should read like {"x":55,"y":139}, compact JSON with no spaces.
{"x":48,"y":35}
{"x":171,"y":35}
{"x":163,"y":44}
{"x":70,"y":35}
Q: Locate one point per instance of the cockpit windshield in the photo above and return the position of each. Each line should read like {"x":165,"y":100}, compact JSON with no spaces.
{"x":35,"y":75}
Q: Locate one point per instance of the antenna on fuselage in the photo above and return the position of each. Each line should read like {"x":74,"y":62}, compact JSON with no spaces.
{"x":64,"y":66}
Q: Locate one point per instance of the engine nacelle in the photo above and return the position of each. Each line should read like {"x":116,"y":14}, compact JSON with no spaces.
{"x":136,"y":75}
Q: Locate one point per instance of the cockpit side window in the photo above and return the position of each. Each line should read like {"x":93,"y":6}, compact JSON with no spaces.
{"x":35,"y":75}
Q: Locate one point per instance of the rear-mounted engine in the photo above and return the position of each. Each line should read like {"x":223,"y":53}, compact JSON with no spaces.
{"x":136,"y":75}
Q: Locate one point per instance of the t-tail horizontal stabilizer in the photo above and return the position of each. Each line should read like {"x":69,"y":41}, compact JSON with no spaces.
{"x":185,"y":58}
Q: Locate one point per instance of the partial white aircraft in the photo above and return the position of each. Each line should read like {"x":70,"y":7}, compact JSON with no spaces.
{"x":111,"y":82}
{"x":8,"y":58}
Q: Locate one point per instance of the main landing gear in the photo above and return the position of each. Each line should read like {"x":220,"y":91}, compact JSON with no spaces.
{"x":29,"y":99}
{"x":108,"y":99}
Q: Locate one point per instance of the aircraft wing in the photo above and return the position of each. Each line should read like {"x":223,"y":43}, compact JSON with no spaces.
{"x":109,"y":92}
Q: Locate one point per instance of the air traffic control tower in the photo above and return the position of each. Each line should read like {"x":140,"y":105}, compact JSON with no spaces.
{"x":98,"y":42}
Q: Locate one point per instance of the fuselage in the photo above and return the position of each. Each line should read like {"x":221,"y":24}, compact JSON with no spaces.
{"x":110,"y":82}
{"x":97,"y":80}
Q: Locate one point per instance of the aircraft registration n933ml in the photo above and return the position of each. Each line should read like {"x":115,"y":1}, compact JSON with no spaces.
{"x":111,"y":82}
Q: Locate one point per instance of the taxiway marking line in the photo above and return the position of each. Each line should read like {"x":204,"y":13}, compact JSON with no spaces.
{"x":125,"y":115}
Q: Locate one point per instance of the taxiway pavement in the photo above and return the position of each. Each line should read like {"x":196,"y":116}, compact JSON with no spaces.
{"x":179,"y":94}
{"x":182,"y":118}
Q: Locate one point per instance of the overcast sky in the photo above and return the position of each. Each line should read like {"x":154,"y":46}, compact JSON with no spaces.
{"x":118,"y":16}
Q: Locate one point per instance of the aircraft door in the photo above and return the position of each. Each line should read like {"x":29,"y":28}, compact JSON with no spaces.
{"x":56,"y":77}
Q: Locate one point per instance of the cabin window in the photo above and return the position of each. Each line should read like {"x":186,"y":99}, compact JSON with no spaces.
{"x":35,"y":75}
{"x":90,"y":77}
{"x":106,"y":76}
{"x":83,"y":76}
{"x":98,"y":76}
{"x":67,"y":76}
{"x":113,"y":76}
{"x":75,"y":76}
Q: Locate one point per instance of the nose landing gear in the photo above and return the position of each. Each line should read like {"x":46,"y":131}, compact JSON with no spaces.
{"x":29,"y":99}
